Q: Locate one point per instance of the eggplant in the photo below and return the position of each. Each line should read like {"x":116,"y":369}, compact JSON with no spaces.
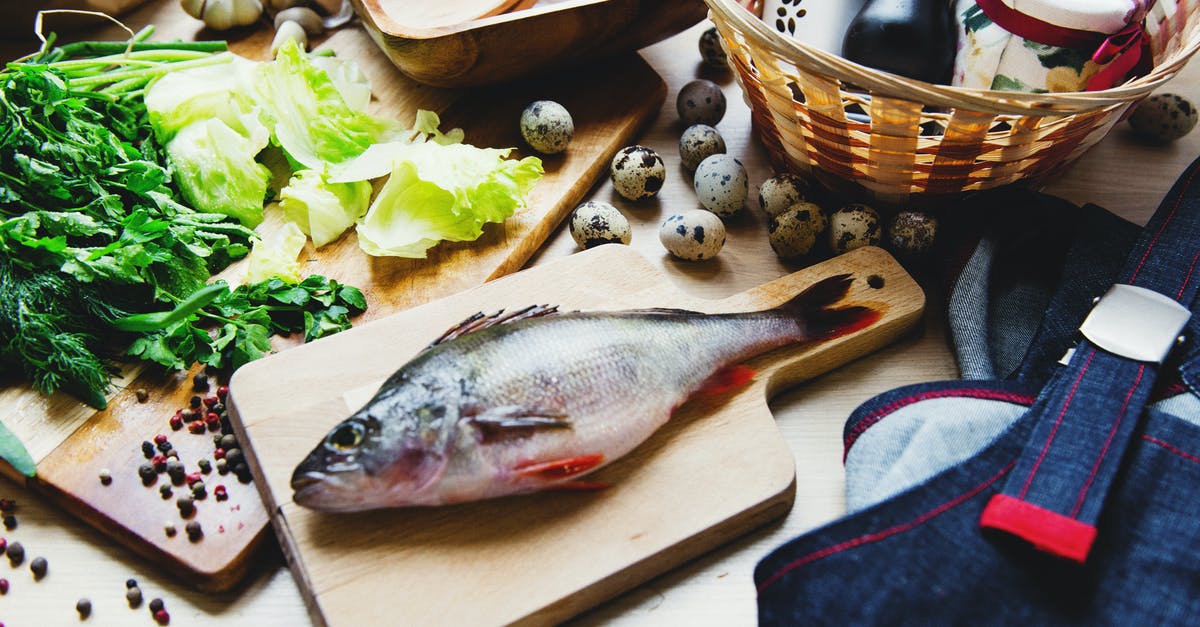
{"x":913,"y":38}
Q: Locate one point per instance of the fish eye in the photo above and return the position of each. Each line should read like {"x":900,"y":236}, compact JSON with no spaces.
{"x":347,"y":436}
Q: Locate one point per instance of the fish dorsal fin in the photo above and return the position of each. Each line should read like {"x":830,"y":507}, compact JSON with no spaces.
{"x":480,"y":321}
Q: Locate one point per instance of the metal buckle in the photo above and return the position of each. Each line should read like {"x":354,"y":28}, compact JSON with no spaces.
{"x":1135,"y":323}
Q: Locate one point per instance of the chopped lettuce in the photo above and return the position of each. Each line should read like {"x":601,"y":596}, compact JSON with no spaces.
{"x":444,"y":192}
{"x":308,"y":114}
{"x":321,"y":209}
{"x":215,"y":169}
{"x":187,"y":96}
{"x":276,"y":255}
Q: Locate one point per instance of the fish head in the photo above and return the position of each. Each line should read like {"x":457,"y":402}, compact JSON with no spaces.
{"x":357,"y":466}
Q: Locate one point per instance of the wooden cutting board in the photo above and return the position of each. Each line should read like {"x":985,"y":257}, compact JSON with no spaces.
{"x":72,"y":443}
{"x":717,"y":470}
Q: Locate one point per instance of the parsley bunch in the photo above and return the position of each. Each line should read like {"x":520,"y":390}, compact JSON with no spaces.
{"x":93,"y":231}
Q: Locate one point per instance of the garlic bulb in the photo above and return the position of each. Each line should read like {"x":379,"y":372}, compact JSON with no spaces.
{"x":289,"y":30}
{"x":223,"y":14}
{"x":303,"y":16}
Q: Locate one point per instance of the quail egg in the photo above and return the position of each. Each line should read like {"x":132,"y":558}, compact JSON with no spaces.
{"x":698,"y":142}
{"x":794,"y":232}
{"x":694,"y":235}
{"x":701,"y":102}
{"x":711,"y":51}
{"x":721,"y":184}
{"x":854,"y":226}
{"x":778,"y":193}
{"x":1164,"y":117}
{"x":637,"y":172}
{"x":594,"y":223}
{"x":911,"y":233}
{"x":547,"y":127}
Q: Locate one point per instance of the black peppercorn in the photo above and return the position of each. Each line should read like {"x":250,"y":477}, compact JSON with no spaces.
{"x":147,"y":473}
{"x":10,"y":522}
{"x":148,"y":449}
{"x":131,"y":583}
{"x":228,"y":442}
{"x":234,"y":456}
{"x":194,"y":531}
{"x":205,"y":466}
{"x":165,"y":491}
{"x":156,"y":604}
{"x":133,"y":596}
{"x":200,"y":382}
{"x":84,"y":607}
{"x":38,"y":567}
{"x":16,"y":553}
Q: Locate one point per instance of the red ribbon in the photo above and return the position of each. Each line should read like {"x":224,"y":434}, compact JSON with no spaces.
{"x":1120,"y":53}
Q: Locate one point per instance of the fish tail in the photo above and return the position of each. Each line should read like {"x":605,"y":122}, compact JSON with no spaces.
{"x":820,"y":321}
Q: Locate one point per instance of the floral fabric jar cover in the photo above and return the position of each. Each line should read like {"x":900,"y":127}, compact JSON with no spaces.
{"x":1049,"y":45}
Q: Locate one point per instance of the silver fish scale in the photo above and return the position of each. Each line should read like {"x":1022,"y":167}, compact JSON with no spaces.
{"x":615,"y":377}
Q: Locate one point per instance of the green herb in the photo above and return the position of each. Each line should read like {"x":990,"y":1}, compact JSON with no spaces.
{"x":235,"y":327}
{"x":13,"y":452}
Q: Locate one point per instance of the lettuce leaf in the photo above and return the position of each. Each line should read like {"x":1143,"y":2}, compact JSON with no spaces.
{"x":223,"y":91}
{"x":444,"y":193}
{"x":215,"y":170}
{"x":276,"y":256}
{"x":308,"y":115}
{"x":322,"y":209}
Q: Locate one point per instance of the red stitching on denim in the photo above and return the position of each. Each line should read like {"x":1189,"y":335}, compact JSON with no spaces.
{"x":874,"y":417}
{"x":1163,"y":226}
{"x":1054,"y":429}
{"x":1112,"y":433}
{"x":886,"y":533}
{"x":1188,"y":278}
{"x":1185,"y":455}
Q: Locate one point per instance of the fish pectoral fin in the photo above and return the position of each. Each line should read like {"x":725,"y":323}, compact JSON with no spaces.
{"x":480,"y":321}
{"x":726,"y":379}
{"x":515,"y":422}
{"x":560,"y":468}
{"x":581,"y":486}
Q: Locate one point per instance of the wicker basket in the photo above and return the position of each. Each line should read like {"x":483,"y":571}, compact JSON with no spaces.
{"x":917,"y":141}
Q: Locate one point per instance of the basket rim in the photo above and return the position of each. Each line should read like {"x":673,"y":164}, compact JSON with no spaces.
{"x":895,"y":86}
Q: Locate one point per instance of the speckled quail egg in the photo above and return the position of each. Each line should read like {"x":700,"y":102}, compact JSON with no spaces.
{"x":637,"y":172}
{"x":778,"y":193}
{"x":853,"y":226}
{"x":794,"y":232}
{"x":701,"y":102}
{"x":547,"y":127}
{"x":694,"y":235}
{"x":698,"y":142}
{"x":1164,"y":117}
{"x":721,"y":184}
{"x":711,"y":51}
{"x":911,"y":233}
{"x":594,"y":223}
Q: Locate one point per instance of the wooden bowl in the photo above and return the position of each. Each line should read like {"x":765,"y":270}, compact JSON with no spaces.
{"x":503,"y":47}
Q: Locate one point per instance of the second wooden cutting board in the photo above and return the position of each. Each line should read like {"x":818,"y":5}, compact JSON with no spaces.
{"x":717,"y":470}
{"x":72,"y":443}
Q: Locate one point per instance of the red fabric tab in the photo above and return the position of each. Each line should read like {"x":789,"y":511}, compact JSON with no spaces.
{"x":1048,"y":531}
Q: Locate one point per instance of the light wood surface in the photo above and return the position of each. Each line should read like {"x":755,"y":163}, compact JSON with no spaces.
{"x":718,"y":469}
{"x":72,"y":443}
{"x":1121,"y":173}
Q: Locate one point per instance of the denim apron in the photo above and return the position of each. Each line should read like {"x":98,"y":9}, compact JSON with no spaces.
{"x":1038,"y":492}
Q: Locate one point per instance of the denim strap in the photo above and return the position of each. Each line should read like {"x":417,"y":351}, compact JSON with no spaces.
{"x":1087,"y":413}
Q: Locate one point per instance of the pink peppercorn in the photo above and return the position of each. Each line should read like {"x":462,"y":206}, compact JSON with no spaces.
{"x":222,"y":392}
{"x":196,"y":426}
{"x":160,"y":438}
{"x":3,"y":544}
{"x":219,"y":453}
{"x":159,"y":462}
{"x":162,"y":617}
{"x":211,"y":401}
{"x":176,"y":422}
{"x":3,"y":586}
{"x":220,"y":493}
{"x":193,"y":478}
